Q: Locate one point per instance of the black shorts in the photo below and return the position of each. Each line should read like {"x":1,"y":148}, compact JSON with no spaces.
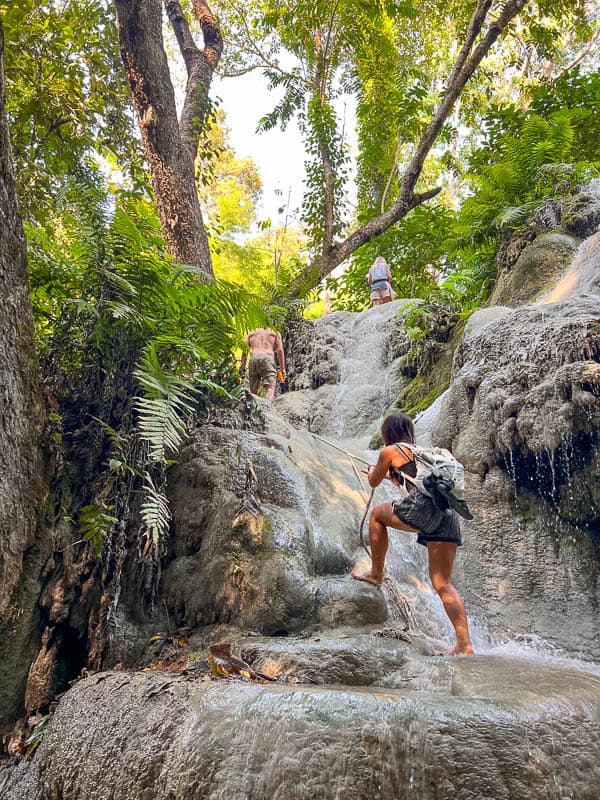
{"x":433,"y":525}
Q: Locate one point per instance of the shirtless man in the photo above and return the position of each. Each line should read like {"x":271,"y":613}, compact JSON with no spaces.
{"x":264,"y":344}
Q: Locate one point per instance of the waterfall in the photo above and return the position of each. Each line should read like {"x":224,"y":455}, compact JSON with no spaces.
{"x":551,"y":335}
{"x":367,"y":377}
{"x":360,"y":708}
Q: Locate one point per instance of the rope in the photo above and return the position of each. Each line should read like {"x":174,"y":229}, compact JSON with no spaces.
{"x":341,"y":449}
{"x":362,"y":523}
{"x":368,"y":501}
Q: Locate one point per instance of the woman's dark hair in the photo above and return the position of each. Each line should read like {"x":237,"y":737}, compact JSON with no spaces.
{"x":398,"y":428}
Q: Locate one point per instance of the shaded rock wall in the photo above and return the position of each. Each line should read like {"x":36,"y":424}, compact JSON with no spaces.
{"x":275,"y":572}
{"x":531,"y":261}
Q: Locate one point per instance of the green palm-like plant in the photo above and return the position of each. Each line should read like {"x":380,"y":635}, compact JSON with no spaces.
{"x":509,"y":191}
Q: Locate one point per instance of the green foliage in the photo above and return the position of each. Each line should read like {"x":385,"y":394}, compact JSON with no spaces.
{"x":156,"y":516}
{"x":506,"y":190}
{"x":230,"y":187}
{"x":35,"y":738}
{"x":95,"y":524}
{"x":163,"y":408}
{"x":326,"y":156}
{"x":67,"y":97}
{"x":119,"y":319}
{"x":416,"y":251}
{"x":576,"y":91}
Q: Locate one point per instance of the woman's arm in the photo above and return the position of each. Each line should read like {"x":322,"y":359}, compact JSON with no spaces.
{"x":377,"y":472}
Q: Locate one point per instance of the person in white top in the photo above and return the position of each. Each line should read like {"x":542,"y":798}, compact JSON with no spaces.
{"x":379,"y":278}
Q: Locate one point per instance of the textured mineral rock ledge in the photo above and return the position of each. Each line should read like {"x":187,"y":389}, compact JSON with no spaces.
{"x":506,"y":728}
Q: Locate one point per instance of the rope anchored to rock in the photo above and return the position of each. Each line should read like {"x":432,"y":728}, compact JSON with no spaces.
{"x":352,"y":457}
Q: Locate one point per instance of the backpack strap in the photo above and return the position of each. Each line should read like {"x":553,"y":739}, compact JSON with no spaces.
{"x":402,"y":446}
{"x":397,"y":472}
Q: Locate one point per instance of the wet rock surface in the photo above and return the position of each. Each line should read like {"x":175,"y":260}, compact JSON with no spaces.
{"x":348,"y":371}
{"x":168,"y":737}
{"x":523,"y":414}
{"x":283,"y":570}
{"x":265,"y":534}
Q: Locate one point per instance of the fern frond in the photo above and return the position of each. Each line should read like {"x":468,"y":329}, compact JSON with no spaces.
{"x":514,"y":216}
{"x":155,"y":512}
{"x":165,"y":408}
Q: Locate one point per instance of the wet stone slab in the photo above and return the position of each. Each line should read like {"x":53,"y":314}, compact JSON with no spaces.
{"x":506,"y":729}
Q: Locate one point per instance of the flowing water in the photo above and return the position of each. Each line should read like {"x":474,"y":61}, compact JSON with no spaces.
{"x":368,"y":382}
{"x":390,"y":722}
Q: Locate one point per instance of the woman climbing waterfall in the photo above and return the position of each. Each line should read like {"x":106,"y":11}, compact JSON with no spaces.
{"x":440,"y":537}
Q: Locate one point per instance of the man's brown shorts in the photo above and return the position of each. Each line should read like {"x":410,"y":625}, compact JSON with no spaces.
{"x":261,"y":369}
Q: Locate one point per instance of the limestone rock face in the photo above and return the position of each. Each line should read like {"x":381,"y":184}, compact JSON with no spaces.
{"x":285,"y":569}
{"x":344,"y":370}
{"x":523,"y":414}
{"x":483,"y":728}
{"x":532,"y":262}
{"x":362,"y":704}
{"x":550,"y":252}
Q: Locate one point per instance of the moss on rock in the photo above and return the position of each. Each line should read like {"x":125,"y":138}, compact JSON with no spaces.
{"x":580,"y":215}
{"x":536,"y":270}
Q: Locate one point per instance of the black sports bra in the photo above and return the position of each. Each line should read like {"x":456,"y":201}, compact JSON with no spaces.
{"x":410,"y":469}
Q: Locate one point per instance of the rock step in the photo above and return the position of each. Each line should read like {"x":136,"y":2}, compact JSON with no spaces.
{"x":342,"y":601}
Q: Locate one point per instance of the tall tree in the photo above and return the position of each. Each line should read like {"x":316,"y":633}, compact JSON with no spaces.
{"x":412,"y":63}
{"x":21,"y":420}
{"x":20,"y":398}
{"x":478,"y":40}
{"x":170,"y":145}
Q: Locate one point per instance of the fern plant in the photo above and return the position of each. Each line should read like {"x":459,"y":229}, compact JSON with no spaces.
{"x":524,"y":174}
{"x":131,"y":342}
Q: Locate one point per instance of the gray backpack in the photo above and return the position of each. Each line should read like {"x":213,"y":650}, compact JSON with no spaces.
{"x":439,"y":473}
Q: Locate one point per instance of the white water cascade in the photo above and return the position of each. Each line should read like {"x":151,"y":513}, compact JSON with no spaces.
{"x":361,"y":704}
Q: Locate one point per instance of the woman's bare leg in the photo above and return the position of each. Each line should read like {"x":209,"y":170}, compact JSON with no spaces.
{"x":382,"y":518}
{"x":375,"y":303}
{"x":441,"y":561}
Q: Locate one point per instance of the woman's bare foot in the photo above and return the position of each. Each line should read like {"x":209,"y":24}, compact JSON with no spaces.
{"x":464,"y":650}
{"x":367,"y":577}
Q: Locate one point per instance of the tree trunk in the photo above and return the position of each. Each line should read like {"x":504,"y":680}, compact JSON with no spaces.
{"x":21,"y":404}
{"x":169,"y":159}
{"x":22,"y":482}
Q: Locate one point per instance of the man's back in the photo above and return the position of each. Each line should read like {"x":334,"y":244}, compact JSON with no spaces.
{"x":262,"y":340}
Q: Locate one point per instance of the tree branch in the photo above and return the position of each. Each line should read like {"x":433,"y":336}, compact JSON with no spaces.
{"x":473,"y":30}
{"x":467,"y":62}
{"x":455,"y":87}
{"x":375,"y":227}
{"x":200,"y":66}
{"x":266,"y":62}
{"x":187,"y":46}
{"x":585,"y":52}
